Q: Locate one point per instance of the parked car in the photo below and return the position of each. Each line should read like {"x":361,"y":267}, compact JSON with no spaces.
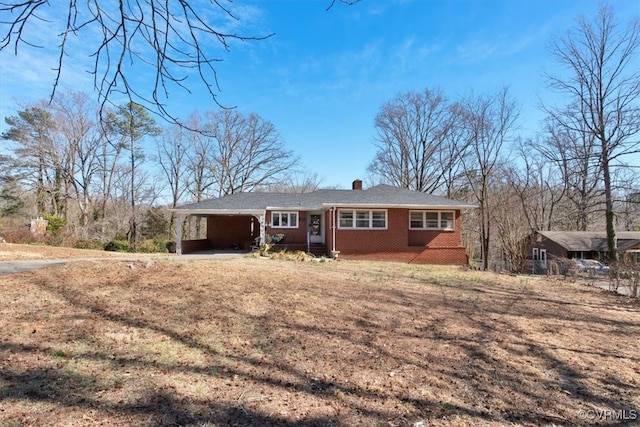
{"x":591,"y":265}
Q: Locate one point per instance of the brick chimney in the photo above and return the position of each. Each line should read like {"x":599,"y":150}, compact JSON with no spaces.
{"x":357,"y":185}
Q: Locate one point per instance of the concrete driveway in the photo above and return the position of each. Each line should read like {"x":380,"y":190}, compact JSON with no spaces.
{"x":10,"y":267}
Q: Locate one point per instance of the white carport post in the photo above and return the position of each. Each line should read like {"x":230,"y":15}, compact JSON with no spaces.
{"x":263,"y":234}
{"x":179,"y":221}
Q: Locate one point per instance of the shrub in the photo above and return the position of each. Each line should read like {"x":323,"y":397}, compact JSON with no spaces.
{"x":276,"y":238}
{"x":117,"y":246}
{"x":121,"y":236}
{"x":152,"y":245}
{"x":161,"y":245}
{"x":288,"y":256}
{"x":55,"y":223}
{"x":18,"y":235}
{"x":61,"y":237}
{"x":146,"y":246}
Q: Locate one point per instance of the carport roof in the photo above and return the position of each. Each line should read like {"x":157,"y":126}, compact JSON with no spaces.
{"x":380,"y":196}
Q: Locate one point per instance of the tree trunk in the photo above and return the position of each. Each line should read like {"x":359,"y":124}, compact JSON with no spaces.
{"x":610,"y":215}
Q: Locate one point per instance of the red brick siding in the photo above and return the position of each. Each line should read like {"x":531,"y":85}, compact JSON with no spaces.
{"x":195,"y":245}
{"x":399,"y":243}
{"x":446,"y":256}
{"x":436,"y":238}
{"x":224,"y":232}
{"x":393,"y":239}
{"x":291,"y":235}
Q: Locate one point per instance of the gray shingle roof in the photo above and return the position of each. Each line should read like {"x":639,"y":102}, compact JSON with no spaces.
{"x":592,"y":240}
{"x":382,"y":196}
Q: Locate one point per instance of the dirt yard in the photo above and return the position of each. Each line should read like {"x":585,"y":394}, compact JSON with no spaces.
{"x":259,"y":342}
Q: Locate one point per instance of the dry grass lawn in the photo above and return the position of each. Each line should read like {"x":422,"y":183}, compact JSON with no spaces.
{"x":262,"y":342}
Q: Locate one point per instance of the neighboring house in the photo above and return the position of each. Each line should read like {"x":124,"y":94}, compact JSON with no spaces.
{"x":582,"y":245}
{"x":382,"y":222}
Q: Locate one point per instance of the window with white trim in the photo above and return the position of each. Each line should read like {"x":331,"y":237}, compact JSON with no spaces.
{"x":431,"y":220}
{"x":362,"y":219}
{"x":284,"y":219}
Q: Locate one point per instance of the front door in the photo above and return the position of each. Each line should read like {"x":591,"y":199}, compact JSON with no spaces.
{"x":316,"y":228}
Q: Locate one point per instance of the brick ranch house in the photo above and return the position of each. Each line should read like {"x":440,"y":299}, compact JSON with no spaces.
{"x":382,"y":222}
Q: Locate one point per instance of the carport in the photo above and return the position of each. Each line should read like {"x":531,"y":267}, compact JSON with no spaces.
{"x":237,"y":229}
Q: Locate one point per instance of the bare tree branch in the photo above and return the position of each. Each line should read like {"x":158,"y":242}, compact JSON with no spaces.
{"x":415,"y":149}
{"x":170,"y":38}
{"x":602,"y":88}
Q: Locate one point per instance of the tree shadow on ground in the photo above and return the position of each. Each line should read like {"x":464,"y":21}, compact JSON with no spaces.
{"x":470,"y":361}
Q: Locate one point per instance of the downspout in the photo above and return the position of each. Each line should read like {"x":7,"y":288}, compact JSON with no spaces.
{"x":308,"y":232}
{"x":333,"y":229}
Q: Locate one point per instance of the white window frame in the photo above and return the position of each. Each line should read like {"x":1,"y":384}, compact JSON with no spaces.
{"x":370,"y":219}
{"x":440,"y":220}
{"x":288,"y":215}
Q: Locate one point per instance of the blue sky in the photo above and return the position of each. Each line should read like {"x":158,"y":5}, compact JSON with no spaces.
{"x":322,"y":78}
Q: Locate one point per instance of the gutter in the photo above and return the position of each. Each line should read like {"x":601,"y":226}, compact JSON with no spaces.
{"x":402,"y":206}
{"x":186,"y":212}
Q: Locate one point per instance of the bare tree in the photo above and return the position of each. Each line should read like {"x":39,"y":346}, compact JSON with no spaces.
{"x":513,"y":220}
{"x":109,"y":153}
{"x":296,"y":182}
{"x":171,"y":157}
{"x":602,"y":89}
{"x":454,"y":151}
{"x":488,"y":121}
{"x":81,"y":138}
{"x":575,"y":155}
{"x":414,"y":150}
{"x":168,"y":40}
{"x":249,"y":152}
{"x":200,"y":155}
{"x":631,"y":210}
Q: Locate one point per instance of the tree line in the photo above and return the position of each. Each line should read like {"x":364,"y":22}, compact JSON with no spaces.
{"x":105,"y":172}
{"x":579,"y":172}
{"x":105,"y":176}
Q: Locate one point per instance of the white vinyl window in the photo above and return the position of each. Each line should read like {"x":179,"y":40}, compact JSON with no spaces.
{"x":431,"y":220}
{"x":362,"y":219}
{"x":284,"y":219}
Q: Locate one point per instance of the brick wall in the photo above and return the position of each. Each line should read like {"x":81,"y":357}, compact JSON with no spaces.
{"x":225,"y":232}
{"x":445,"y":256}
{"x":291,"y":235}
{"x":398,"y":243}
{"x":195,"y":245}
